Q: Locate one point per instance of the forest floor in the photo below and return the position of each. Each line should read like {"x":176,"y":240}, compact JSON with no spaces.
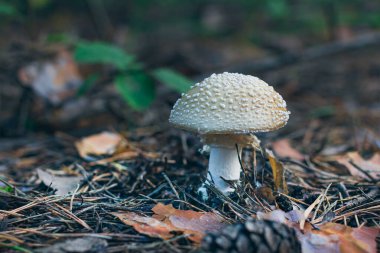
{"x":108,"y":190}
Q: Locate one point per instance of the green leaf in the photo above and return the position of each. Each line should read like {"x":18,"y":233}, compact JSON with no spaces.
{"x":104,"y":53}
{"x":63,"y":38}
{"x":172,"y":79}
{"x":7,"y":189}
{"x":38,"y":4}
{"x":87,"y":84}
{"x":8,"y":10}
{"x":277,"y":8}
{"x":18,"y":248}
{"x":323,"y":111}
{"x":137,"y":89}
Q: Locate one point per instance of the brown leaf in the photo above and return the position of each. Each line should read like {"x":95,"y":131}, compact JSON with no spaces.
{"x":55,"y":79}
{"x":265,"y":192}
{"x":26,"y":162}
{"x":278,"y":173}
{"x":357,"y":164}
{"x":275,"y":215}
{"x":329,"y":237}
{"x":147,"y":225}
{"x":105,"y":143}
{"x":333,"y":237}
{"x":191,"y":222}
{"x":167,"y":220}
{"x":283,"y":149}
{"x":123,"y":155}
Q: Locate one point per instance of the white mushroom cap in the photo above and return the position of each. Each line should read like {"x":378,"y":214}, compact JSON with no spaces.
{"x":230,"y":103}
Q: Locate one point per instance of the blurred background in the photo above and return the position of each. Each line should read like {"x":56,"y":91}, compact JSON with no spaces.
{"x":77,"y":66}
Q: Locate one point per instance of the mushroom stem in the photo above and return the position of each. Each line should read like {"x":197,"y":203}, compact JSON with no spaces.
{"x":224,"y":164}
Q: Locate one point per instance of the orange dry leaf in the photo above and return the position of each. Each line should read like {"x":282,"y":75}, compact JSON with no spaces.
{"x":283,"y":149}
{"x":123,"y":155}
{"x":167,"y":220}
{"x":55,"y":79}
{"x":105,"y":143}
{"x":278,"y":172}
{"x":333,"y":237}
{"x":355,"y":163}
{"x":190,"y":222}
{"x":112,"y":144}
{"x":126,"y":155}
{"x":146,"y":225}
{"x":329,"y":237}
{"x":26,"y":162}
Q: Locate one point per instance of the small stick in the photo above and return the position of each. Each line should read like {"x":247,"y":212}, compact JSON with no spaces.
{"x":72,"y":197}
{"x":171,"y":185}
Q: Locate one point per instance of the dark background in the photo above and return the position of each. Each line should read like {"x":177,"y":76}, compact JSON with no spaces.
{"x":321,"y":55}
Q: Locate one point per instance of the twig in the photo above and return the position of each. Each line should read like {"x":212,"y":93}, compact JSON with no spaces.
{"x":72,"y":197}
{"x":307,"y":55}
{"x":171,"y":185}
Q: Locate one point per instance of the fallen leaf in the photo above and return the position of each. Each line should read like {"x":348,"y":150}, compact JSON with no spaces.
{"x":292,"y":217}
{"x":333,"y":237}
{"x":283,"y":149}
{"x":63,"y":184}
{"x":105,"y":143}
{"x":278,"y":173}
{"x":124,"y":155}
{"x":275,"y":215}
{"x":191,"y":222}
{"x":266,"y":193}
{"x":167,"y":220}
{"x":308,"y":211}
{"x":26,"y":162}
{"x":147,"y":225}
{"x":370,"y":167}
{"x":78,"y":245}
{"x":55,"y":80}
{"x":329,"y":237}
{"x":334,"y":150}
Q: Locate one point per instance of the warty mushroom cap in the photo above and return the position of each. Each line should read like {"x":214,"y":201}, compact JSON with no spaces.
{"x":230,"y":103}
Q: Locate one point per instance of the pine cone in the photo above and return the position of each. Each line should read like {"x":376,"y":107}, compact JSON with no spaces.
{"x":253,"y":236}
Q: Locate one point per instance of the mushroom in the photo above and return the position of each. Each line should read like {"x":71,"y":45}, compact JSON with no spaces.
{"x":226,"y":109}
